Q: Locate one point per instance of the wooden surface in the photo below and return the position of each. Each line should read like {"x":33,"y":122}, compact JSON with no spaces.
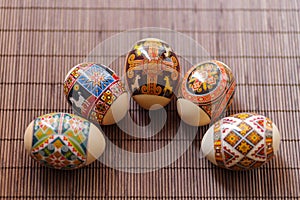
{"x":41,"y":40}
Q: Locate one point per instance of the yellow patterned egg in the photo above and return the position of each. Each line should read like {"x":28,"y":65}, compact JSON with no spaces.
{"x":96,"y":93}
{"x":152,"y":73}
{"x":63,"y":141}
{"x":206,"y":92}
{"x":241,"y":142}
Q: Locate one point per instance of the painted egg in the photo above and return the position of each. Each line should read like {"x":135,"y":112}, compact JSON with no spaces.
{"x":96,"y":93}
{"x":241,"y":141}
{"x":206,"y":92}
{"x":152,"y":73}
{"x":63,"y":141}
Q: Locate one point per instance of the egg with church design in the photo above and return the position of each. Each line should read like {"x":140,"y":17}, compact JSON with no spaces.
{"x":63,"y":141}
{"x":96,"y":93}
{"x":206,"y":92}
{"x":241,"y":142}
{"x":152,"y":73}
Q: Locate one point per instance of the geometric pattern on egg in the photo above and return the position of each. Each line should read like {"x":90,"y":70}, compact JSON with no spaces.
{"x":59,"y":141}
{"x":241,"y":141}
{"x":63,"y":141}
{"x":92,"y":89}
{"x":208,"y":88}
{"x":152,"y":72}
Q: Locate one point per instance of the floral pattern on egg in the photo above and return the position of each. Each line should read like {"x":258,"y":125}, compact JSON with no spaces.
{"x":211,"y":86}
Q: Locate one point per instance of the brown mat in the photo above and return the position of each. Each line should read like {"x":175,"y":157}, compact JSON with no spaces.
{"x":41,"y":40}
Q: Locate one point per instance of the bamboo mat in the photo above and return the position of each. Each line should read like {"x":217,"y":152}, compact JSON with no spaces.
{"x":41,"y":40}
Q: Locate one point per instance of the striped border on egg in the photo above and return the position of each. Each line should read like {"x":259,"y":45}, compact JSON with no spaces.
{"x":243,"y":141}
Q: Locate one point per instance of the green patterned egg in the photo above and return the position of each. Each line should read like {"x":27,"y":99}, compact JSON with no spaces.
{"x":63,"y":141}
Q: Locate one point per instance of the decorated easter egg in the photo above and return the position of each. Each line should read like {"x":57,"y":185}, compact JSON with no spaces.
{"x":152,"y":73}
{"x":63,"y":141}
{"x":96,"y":93}
{"x":241,"y":141}
{"x":206,"y":92}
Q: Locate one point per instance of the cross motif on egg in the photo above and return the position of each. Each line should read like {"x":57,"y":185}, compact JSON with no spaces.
{"x":151,"y":58}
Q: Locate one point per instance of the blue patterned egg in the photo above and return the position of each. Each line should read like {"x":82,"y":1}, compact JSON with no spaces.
{"x":63,"y":141}
{"x":241,"y":142}
{"x":96,"y":93}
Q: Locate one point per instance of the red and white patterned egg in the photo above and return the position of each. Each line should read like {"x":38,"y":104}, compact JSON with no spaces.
{"x":241,"y":142}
